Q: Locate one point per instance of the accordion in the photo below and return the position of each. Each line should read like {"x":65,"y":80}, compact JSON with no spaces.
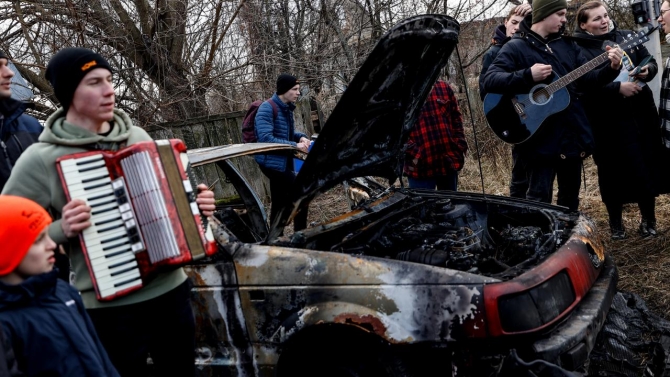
{"x":144,"y":217}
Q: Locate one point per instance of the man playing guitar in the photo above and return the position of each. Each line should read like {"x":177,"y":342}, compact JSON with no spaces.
{"x":533,"y":56}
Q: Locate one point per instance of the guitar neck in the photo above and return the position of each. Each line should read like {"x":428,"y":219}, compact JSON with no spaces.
{"x":577,"y":73}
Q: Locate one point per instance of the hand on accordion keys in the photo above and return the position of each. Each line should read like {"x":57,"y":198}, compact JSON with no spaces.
{"x":205,"y":200}
{"x":76,"y":216}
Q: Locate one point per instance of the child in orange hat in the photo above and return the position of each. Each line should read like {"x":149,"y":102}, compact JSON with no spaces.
{"x":42,"y":317}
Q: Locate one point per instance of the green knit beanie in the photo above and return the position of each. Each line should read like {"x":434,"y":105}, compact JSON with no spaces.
{"x":545,"y":8}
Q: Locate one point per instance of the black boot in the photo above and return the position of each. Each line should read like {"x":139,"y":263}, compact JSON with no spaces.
{"x":617,"y":230}
{"x":648,"y":228}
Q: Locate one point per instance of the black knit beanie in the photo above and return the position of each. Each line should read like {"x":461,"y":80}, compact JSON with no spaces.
{"x":3,"y":55}
{"x":68,"y":67}
{"x":545,"y":8}
{"x":285,"y":82}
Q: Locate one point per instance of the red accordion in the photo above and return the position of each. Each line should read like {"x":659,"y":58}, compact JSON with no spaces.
{"x":144,"y":217}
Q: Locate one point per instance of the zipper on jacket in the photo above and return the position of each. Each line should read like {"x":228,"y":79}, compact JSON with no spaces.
{"x":545,"y":44}
{"x":6,"y":153}
{"x":4,"y":146}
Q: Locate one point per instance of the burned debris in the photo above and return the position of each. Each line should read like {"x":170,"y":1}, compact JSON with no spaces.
{"x":493,"y":240}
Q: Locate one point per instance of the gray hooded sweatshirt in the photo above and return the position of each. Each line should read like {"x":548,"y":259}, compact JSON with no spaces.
{"x":35,"y":177}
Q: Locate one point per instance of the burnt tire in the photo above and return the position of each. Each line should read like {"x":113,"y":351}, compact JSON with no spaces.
{"x":344,"y":353}
{"x":633,"y":341}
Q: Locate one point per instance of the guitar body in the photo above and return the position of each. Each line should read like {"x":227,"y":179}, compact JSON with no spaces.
{"x":515,"y":118}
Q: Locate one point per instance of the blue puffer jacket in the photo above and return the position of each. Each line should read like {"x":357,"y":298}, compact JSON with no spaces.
{"x":280,"y":130}
{"x":566,"y":133}
{"x":51,"y":334}
{"x":17,"y":132}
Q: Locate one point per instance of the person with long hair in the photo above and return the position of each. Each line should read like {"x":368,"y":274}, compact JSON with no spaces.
{"x":625,"y":124}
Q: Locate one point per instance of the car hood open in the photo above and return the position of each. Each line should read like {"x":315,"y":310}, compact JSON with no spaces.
{"x":367,"y":130}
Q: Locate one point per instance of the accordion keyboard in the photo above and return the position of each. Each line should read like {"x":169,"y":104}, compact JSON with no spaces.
{"x":113,"y":237}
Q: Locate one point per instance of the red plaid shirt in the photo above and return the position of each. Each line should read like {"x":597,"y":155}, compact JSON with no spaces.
{"x":437,"y":143}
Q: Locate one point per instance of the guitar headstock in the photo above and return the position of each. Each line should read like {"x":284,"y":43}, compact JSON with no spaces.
{"x":633,"y":40}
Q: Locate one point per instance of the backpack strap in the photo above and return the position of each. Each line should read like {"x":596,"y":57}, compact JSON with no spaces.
{"x":274,"y":108}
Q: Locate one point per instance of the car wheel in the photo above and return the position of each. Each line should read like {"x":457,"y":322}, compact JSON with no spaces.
{"x":348,"y":354}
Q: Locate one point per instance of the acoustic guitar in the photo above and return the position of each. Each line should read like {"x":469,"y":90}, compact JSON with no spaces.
{"x":515,"y":118}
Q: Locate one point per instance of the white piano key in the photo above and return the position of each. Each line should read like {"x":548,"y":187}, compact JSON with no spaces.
{"x":107,"y":249}
{"x":102,"y":259}
{"x":100,"y":220}
{"x":108,"y":262}
{"x":97,"y":252}
{"x":81,"y":160}
{"x":96,"y":201}
{"x":113,"y":290}
{"x":99,"y":237}
{"x":76,"y":177}
{"x":93,"y":230}
{"x":89,"y":186}
{"x":109,"y":281}
{"x":111,"y":273}
{"x":84,"y":194}
{"x":99,"y":209}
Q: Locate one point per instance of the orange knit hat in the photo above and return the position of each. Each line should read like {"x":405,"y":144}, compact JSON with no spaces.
{"x":21,"y":221}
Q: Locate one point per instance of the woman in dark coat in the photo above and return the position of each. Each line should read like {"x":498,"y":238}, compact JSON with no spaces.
{"x":625,"y":125}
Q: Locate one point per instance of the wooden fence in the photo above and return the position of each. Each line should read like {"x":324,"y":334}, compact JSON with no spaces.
{"x":223,"y":129}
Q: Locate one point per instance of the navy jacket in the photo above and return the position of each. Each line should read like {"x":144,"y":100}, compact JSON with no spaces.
{"x":44,"y":320}
{"x":17,"y":132}
{"x":566,"y":134}
{"x":499,"y":39}
{"x":280,"y":130}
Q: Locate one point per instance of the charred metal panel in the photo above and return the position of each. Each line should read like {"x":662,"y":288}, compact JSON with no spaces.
{"x":252,"y":203}
{"x":222,"y":342}
{"x":284,"y":290}
{"x":208,"y":155}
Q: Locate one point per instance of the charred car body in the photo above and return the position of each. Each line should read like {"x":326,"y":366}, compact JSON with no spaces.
{"x":409,"y":279}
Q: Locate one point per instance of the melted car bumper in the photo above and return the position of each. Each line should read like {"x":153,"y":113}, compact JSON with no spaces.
{"x":571,"y":342}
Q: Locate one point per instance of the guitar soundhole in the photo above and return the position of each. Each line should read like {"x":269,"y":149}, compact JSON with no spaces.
{"x":541,"y":96}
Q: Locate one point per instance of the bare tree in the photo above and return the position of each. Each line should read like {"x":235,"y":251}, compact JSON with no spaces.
{"x":165,"y":52}
{"x":178,"y":59}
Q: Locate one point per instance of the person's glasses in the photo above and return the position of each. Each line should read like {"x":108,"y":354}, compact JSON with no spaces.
{"x":663,"y":11}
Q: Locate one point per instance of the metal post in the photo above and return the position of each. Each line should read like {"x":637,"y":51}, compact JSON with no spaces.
{"x":654,"y":47}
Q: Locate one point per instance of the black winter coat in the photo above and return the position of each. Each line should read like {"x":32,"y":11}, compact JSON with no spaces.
{"x":8,"y":366}
{"x":17,"y":132}
{"x":566,"y":133}
{"x":45,"y":322}
{"x":626,"y":130}
{"x":499,"y":39}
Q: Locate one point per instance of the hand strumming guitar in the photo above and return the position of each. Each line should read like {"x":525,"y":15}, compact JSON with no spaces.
{"x":540,"y":71}
{"x":614,"y":54}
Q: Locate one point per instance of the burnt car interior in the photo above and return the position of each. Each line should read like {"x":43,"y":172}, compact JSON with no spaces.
{"x":487,"y":238}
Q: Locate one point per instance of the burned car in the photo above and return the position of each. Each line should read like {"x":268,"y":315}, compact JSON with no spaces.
{"x":409,"y":280}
